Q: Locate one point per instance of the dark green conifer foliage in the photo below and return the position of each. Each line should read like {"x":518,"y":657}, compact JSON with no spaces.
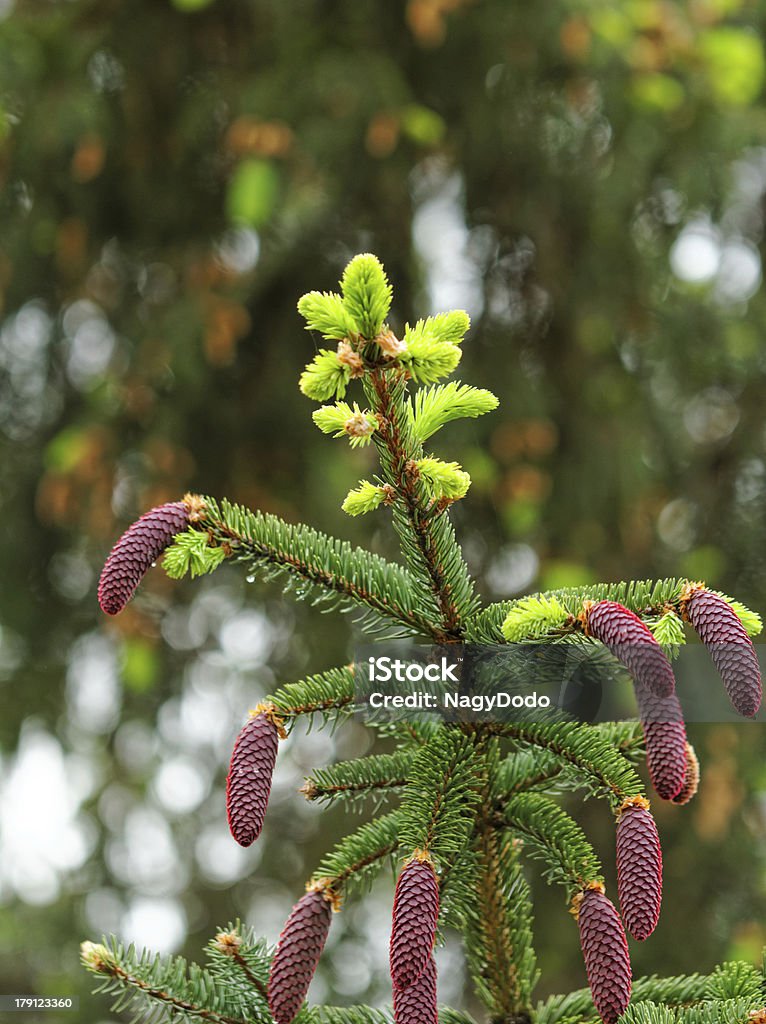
{"x":477,"y":799}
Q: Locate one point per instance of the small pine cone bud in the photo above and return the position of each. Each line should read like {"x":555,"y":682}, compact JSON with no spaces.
{"x":136,"y":551}
{"x":417,"y":1004}
{"x":605,"y":950}
{"x":691,"y":782}
{"x":632,"y":642}
{"x":298,"y":950}
{"x":662,"y":720}
{"x":249,"y":781}
{"x":730,"y":647}
{"x":416,"y":910}
{"x":639,"y":868}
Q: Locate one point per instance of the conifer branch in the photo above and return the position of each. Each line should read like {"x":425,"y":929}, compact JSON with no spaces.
{"x":599,"y":765}
{"x":184,"y":993}
{"x":359,"y":856}
{"x":427,"y":538}
{"x":438,"y":804}
{"x":320,"y":694}
{"x":732,"y":980}
{"x":553,"y":836}
{"x":312,"y":560}
{"x":498,"y":933}
{"x":236,"y":958}
{"x":362,"y":776}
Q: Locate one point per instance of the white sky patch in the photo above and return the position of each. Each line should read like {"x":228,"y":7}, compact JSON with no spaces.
{"x":145,"y":855}
{"x":181,"y":784}
{"x":711,"y":416}
{"x":441,"y":239}
{"x":220,"y":859}
{"x":676,"y":524}
{"x":246,"y":639}
{"x":40,"y":835}
{"x":93,"y":690}
{"x":696,"y":253}
{"x":238,"y":250}
{"x":739,"y":272}
{"x":159,"y":925}
{"x":514,"y":568}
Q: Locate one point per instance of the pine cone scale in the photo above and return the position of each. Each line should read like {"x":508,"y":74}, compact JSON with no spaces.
{"x":639,"y":871}
{"x":249,"y":780}
{"x":731,"y":649}
{"x":632,"y":643}
{"x":416,"y":911}
{"x":605,"y":951}
{"x":298,"y":950}
{"x":665,"y":738}
{"x":417,"y":1003}
{"x":136,"y":551}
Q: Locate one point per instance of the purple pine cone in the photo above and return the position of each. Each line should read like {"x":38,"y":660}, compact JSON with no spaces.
{"x":639,"y":869}
{"x":665,"y":738}
{"x":730,"y":647}
{"x":605,"y":950}
{"x":135,"y":552}
{"x":416,"y":910}
{"x":632,"y":643}
{"x":298,"y":950}
{"x":417,"y":1004}
{"x":248,"y":784}
{"x":692,"y":780}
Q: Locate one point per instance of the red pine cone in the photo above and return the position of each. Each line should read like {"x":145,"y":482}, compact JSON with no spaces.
{"x":249,"y":781}
{"x":417,"y":1004}
{"x":416,"y":910}
{"x":639,"y":869}
{"x":665,"y":738}
{"x":298,"y":950}
{"x":730,"y":647}
{"x":633,"y":644}
{"x":692,"y":780}
{"x":605,"y":950}
{"x":135,"y":552}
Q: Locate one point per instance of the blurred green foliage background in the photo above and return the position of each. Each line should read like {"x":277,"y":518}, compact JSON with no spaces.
{"x":586,"y":178}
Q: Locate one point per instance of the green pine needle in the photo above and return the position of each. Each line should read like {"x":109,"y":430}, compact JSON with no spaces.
{"x":426,"y":357}
{"x":362,"y":499}
{"x":443,"y":479}
{"x":751,"y":620}
{"x":366,"y":294}
{"x":357,"y":859}
{"x":328,"y":694}
{"x":554,"y":837}
{"x":341,"y":420}
{"x":327,"y":313}
{"x":325,"y":377}
{"x":437,"y":807}
{"x":191,"y":552}
{"x":435,"y":406}
{"x":533,"y":617}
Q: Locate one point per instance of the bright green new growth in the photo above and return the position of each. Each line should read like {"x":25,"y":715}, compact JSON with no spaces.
{"x":325,"y":377}
{"x":435,"y":406}
{"x":480,"y":798}
{"x":366,"y":294}
{"x":326,"y":313}
{"x":668,"y":631}
{"x":364,"y":498}
{"x":533,"y":617}
{"x":341,"y":420}
{"x":443,"y":479}
{"x":191,"y":553}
